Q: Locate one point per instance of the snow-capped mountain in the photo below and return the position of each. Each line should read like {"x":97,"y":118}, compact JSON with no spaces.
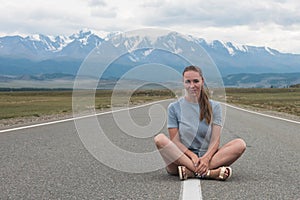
{"x":40,"y":54}
{"x":42,"y":47}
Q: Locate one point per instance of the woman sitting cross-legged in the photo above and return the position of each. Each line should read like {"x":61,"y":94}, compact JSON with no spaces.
{"x":194,"y":126}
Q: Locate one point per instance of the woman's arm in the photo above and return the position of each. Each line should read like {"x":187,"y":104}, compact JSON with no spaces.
{"x":214,"y":142}
{"x":212,"y":149}
{"x":174,"y":136}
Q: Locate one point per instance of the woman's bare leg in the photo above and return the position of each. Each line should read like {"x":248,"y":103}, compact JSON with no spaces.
{"x":172,"y":155}
{"x":226,"y":155}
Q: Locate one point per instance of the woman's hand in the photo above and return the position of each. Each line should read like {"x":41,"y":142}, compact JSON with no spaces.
{"x":195,"y":160}
{"x":202,"y":168}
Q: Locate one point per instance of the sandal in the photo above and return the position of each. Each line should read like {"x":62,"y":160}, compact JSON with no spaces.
{"x":221,"y":174}
{"x":185,"y":173}
{"x":182,"y":173}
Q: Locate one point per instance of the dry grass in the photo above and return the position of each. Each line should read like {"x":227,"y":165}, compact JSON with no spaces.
{"x":41,"y":103}
{"x":285,"y":100}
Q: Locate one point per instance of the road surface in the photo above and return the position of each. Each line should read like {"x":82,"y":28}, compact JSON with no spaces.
{"x":50,"y":162}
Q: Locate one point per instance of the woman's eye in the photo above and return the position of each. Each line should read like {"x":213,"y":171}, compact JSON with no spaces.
{"x":194,"y":81}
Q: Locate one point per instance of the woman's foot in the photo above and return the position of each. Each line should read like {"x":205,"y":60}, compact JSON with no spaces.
{"x":222,"y":173}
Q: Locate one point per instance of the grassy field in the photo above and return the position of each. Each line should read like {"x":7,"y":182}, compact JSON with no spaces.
{"x":285,"y":100}
{"x":40,"y":103}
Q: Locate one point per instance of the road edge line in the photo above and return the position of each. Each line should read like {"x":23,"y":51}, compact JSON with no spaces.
{"x":77,"y":118}
{"x":262,"y":114}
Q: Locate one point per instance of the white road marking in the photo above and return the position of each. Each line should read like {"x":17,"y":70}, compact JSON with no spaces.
{"x":76,"y":118}
{"x":265,"y":115}
{"x":190,"y":190}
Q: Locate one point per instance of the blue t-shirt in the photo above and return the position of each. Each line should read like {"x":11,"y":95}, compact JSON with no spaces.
{"x":193,"y":133}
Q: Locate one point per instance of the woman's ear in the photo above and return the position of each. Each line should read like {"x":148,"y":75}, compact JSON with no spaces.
{"x":202,"y":81}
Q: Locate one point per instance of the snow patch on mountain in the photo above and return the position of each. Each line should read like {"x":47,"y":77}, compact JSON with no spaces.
{"x":229,"y":48}
{"x":35,"y":37}
{"x":148,"y":52}
{"x":269,"y":50}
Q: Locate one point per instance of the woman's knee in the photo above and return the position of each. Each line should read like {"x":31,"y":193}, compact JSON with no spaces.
{"x":161,"y":140}
{"x":241,"y":145}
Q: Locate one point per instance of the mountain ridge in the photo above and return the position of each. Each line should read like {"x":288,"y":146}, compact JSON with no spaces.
{"x":243,"y":80}
{"x":41,"y":54}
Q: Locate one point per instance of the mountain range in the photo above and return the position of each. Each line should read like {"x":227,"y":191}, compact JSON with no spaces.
{"x":37,"y":55}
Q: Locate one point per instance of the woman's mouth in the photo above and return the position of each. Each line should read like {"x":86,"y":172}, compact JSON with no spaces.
{"x":193,"y":91}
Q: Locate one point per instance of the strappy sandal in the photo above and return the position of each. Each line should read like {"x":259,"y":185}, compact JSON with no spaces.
{"x":221,"y":176}
{"x":222,"y":173}
{"x":182,"y":173}
{"x":185,"y":173}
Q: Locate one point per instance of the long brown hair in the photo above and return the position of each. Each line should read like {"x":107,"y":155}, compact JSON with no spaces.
{"x":204,"y":104}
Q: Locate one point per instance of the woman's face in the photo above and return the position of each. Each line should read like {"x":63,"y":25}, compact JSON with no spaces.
{"x":192,"y":83}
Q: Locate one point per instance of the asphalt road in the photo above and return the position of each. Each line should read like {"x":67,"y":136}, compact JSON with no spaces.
{"x":269,"y":167}
{"x":50,"y":162}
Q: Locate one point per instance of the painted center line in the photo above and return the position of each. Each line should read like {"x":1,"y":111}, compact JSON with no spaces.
{"x":190,"y":190}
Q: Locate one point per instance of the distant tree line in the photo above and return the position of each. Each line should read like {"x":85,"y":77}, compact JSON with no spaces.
{"x":33,"y":89}
{"x":295,"y":86}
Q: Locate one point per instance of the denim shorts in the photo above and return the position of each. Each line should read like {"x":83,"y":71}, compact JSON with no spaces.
{"x":198,"y":152}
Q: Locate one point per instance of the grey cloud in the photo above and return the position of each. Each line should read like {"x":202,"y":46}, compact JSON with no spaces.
{"x":44,"y":21}
{"x":46,"y":14}
{"x":104,"y":12}
{"x":230,"y":14}
{"x":152,"y":4}
{"x":99,"y":8}
{"x":97,"y":3}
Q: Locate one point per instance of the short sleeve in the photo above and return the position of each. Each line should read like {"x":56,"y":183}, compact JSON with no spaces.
{"x":217,"y":114}
{"x":172,"y":117}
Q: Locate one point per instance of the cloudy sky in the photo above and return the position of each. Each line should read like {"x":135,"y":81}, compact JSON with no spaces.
{"x":272,"y":23}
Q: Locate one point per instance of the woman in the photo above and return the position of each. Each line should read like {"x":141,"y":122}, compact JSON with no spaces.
{"x":194,"y":126}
